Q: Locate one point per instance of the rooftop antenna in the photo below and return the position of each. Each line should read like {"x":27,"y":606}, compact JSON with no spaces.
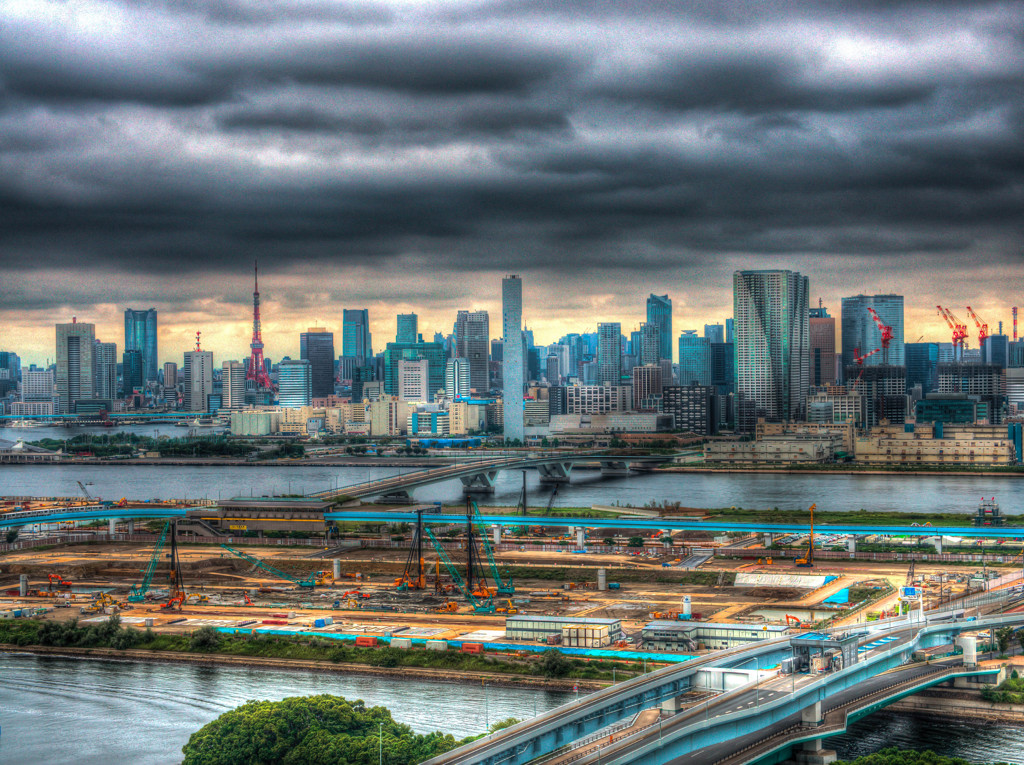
{"x":198,"y":333}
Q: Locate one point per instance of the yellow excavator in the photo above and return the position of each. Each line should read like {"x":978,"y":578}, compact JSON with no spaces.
{"x":808,"y":560}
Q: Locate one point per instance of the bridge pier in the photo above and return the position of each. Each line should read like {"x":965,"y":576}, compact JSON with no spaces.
{"x":851,"y":544}
{"x":614,"y":468}
{"x":131,"y":525}
{"x":810,"y":717}
{"x":397,"y":497}
{"x":811,"y":753}
{"x":769,"y":539}
{"x":557,"y":472}
{"x":497,"y":535}
{"x":938,"y":544}
{"x":111,"y":526}
{"x":581,"y":537}
{"x":480,"y":483}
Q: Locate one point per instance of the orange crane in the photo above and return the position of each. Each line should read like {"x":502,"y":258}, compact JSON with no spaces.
{"x":808,"y":560}
{"x":886,"y":334}
{"x":982,"y":326}
{"x":958,"y":327}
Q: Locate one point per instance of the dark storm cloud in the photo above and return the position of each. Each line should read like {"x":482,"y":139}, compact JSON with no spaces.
{"x":189,"y":137}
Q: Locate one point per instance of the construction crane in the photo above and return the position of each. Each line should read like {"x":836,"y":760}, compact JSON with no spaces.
{"x":85,"y":491}
{"x":982,"y":326}
{"x":958,"y":328}
{"x":178,"y":595}
{"x":808,"y":560}
{"x":484,"y":606}
{"x":503,"y":587}
{"x":408,"y":581}
{"x":886,"y":334}
{"x":138,"y":592}
{"x":859,"y":361}
{"x":309,"y":581}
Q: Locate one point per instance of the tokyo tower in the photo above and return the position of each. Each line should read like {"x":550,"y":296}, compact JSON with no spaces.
{"x":256,"y":370}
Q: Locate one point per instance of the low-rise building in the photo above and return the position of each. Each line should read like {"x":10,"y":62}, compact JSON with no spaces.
{"x":615,"y":422}
{"x":941,"y":444}
{"x":775,"y":450}
{"x":691,"y":636}
{"x":255,"y":422}
{"x":533,"y":627}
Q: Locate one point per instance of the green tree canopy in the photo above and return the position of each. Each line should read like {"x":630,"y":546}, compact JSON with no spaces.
{"x":312,"y":730}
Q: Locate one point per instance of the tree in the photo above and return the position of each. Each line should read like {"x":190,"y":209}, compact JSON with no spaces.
{"x":610,"y":541}
{"x":636,"y":542}
{"x":314,"y":730}
{"x":1003,"y":636}
{"x":554,"y":663}
{"x":12,"y":534}
{"x":508,"y":722}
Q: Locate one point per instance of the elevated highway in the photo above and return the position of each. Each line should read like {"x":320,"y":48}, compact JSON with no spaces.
{"x":480,"y":475}
{"x":747,"y":714}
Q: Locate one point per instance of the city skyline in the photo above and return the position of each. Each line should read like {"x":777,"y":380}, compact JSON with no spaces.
{"x":603,"y":154}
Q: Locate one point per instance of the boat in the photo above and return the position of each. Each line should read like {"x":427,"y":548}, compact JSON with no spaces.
{"x":214,"y":422}
{"x":25,"y":424}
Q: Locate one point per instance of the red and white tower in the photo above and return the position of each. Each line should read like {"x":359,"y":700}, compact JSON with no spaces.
{"x":256,"y":371}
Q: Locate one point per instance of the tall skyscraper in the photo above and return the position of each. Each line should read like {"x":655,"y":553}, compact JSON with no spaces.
{"x":316,"y":346}
{"x":295,"y":383}
{"x":132,"y":372}
{"x":170,"y":374}
{"x":472,"y":342}
{"x":659,"y":311}
{"x":105,"y":363}
{"x":140,"y":335}
{"x":414,"y":380}
{"x":860,"y":330}
{"x":715,"y":333}
{"x":609,"y":353}
{"x":197,"y":372}
{"x":232,"y":379}
{"x":355,"y":335}
{"x":694,"y":359}
{"x":408,"y":328}
{"x":649,"y":351}
{"x":513,"y":366}
{"x":433,"y":353}
{"x":456,"y":378}
{"x":730,"y":330}
{"x":772,"y":344}
{"x":823,"y":347}
{"x":76,"y":373}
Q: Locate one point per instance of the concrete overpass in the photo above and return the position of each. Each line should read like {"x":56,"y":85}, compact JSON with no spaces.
{"x":730,"y":721}
{"x":480,"y":475}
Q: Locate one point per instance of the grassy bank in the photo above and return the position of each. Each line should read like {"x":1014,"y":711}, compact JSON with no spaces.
{"x":111,"y":634}
{"x":867,"y":517}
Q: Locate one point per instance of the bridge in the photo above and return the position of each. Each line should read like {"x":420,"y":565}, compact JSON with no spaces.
{"x":765,"y":715}
{"x":480,"y":475}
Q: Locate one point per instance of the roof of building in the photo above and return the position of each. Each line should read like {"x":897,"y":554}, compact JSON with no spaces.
{"x":560,"y":619}
{"x":21,"y":446}
{"x":680,"y":626}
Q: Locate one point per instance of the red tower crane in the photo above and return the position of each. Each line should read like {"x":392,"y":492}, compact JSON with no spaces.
{"x":256,"y":371}
{"x":859,"y":361}
{"x":982,"y":326}
{"x":958,"y":327}
{"x":886,"y":334}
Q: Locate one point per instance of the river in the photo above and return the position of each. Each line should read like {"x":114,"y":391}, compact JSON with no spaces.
{"x":82,"y":712}
{"x":898,"y":493}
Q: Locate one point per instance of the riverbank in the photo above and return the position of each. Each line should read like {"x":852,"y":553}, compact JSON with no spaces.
{"x":294,"y":665}
{"x":957,"y":704}
{"x":818,"y":470}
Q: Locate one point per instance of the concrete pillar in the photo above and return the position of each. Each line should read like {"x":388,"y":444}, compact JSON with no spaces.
{"x":810,"y":717}
{"x":851,"y":544}
{"x":670,"y":705}
{"x":336,"y":568}
{"x":581,"y":536}
{"x":112,"y":526}
{"x":811,"y":753}
{"x":497,"y":535}
{"x":23,"y":585}
{"x":131,"y":525}
{"x":938,"y":544}
{"x":768,"y":539}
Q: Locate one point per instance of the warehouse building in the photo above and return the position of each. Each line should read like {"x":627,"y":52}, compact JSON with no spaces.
{"x":692,"y":636}
{"x":540,"y":628}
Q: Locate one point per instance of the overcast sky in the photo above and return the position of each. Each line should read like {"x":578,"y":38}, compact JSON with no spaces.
{"x":404,"y":156}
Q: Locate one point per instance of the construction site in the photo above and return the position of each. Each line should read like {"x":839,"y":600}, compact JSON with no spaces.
{"x":661,"y":597}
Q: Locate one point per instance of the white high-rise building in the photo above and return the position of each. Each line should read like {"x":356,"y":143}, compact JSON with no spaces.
{"x":105,"y":365}
{"x":772,"y":345}
{"x":609,"y":353}
{"x":457,"y":378}
{"x":232,"y":384}
{"x":198,"y":376}
{"x":37,"y":385}
{"x":414,"y":380}
{"x":295,"y":383}
{"x":512,"y":365}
